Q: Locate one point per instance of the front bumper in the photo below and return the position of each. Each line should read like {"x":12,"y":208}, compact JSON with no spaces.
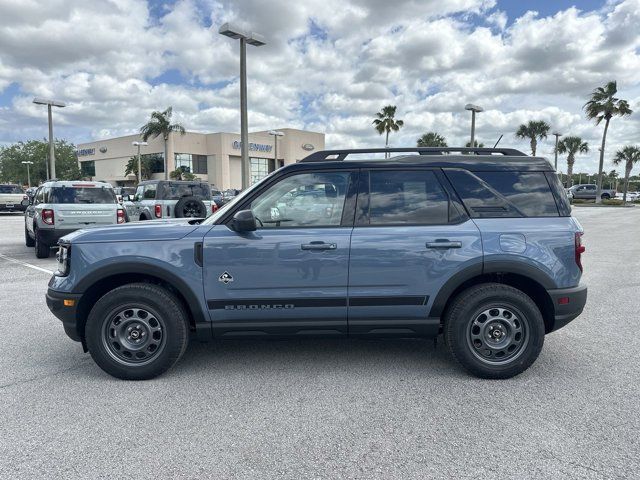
{"x":568,"y":304}
{"x":67,"y":314}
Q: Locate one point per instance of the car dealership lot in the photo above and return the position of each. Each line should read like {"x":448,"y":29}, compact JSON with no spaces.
{"x":327,"y":408}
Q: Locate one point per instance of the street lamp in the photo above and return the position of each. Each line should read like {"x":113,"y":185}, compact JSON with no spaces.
{"x":27,"y":163}
{"x":474,"y":109}
{"x":557,"y":135}
{"x":276,"y":134}
{"x":139,"y":144}
{"x":256,"y":40}
{"x":49,"y":104}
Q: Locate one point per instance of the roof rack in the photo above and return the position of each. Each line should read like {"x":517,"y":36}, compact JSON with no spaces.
{"x":340,"y":155}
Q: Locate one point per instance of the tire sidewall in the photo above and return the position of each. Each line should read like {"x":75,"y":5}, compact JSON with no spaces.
{"x":172,"y":317}
{"x":466,"y":309}
{"x":179,"y":208}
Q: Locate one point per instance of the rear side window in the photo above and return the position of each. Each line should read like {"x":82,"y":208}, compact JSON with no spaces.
{"x":406,"y":197}
{"x":504,"y":194}
{"x":175,"y":191}
{"x":81,"y":195}
{"x":149,"y":191}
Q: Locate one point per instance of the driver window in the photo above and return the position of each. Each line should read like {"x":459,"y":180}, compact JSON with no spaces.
{"x":303,"y":200}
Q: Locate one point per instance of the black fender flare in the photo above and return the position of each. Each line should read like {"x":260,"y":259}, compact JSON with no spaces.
{"x":501,"y":266}
{"x":193,"y":303}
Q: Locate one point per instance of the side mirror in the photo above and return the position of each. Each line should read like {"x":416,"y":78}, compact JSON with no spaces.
{"x":244,"y":221}
{"x":25,"y":202}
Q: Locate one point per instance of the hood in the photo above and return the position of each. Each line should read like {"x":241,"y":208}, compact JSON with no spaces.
{"x":170,"y":229}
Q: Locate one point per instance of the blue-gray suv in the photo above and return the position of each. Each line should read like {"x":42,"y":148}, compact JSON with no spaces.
{"x":476,"y":244}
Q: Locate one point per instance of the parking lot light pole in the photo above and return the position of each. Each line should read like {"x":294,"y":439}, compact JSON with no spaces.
{"x":49,"y":104}
{"x":256,"y":40}
{"x":139,"y":144}
{"x":557,"y":135}
{"x":275,"y":134}
{"x":27,"y":163}
{"x":474,"y":109}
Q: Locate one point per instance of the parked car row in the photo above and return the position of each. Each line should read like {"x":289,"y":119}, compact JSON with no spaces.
{"x":57,"y":208}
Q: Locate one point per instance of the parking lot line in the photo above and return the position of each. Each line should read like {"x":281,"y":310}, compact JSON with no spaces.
{"x":25,"y":264}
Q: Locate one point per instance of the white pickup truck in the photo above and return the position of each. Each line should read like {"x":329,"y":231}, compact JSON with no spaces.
{"x":11,"y":198}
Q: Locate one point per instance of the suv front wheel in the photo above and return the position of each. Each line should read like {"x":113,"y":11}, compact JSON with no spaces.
{"x":494,"y":330}
{"x":137,"y":331}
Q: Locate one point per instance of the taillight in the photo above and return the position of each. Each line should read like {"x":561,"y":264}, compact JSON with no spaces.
{"x":158,"y":211}
{"x":120,"y":216}
{"x":579,"y":249}
{"x":214,"y":207}
{"x":47,"y":216}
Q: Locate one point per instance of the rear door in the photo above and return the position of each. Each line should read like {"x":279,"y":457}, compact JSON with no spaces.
{"x":411,"y":236}
{"x":82,"y":205}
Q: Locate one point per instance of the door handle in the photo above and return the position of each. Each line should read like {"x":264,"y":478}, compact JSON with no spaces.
{"x":441,"y":243}
{"x":318,"y":246}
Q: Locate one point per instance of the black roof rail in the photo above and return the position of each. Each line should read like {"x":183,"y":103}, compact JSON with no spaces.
{"x":340,"y":155}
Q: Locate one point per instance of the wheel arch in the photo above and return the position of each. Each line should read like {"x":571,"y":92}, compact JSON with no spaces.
{"x":526,"y":278}
{"x":110,"y":277}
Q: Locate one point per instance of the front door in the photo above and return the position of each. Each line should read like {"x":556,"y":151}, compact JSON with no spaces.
{"x":409,"y":239}
{"x":289,"y":276}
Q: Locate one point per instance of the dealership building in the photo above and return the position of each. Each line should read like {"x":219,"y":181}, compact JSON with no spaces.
{"x":213,"y":157}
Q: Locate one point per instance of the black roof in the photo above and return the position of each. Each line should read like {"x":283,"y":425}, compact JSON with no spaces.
{"x":473,"y":159}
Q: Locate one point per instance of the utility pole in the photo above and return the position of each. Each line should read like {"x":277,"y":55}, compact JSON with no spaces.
{"x":49,"y":104}
{"x":557,"y":135}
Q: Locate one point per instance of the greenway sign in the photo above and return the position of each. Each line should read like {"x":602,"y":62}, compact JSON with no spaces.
{"x":258,"y":147}
{"x":82,"y":152}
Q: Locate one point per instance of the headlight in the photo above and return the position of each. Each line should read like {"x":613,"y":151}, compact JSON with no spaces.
{"x":64,"y":260}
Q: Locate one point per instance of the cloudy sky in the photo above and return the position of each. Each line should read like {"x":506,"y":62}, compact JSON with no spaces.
{"x":328,"y":66}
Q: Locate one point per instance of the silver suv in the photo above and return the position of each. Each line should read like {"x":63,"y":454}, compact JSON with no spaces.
{"x":170,"y":199}
{"x":61,"y":207}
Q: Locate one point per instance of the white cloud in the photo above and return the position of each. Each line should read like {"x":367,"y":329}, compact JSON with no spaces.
{"x":328,"y":65}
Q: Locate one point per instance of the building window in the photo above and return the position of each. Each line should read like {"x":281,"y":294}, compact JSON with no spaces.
{"x":88,"y":169}
{"x":192,"y":163}
{"x":155,"y":161}
{"x":259,"y":169}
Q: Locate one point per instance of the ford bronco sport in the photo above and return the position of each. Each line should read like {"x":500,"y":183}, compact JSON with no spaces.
{"x":61,"y":207}
{"x":477,"y":244}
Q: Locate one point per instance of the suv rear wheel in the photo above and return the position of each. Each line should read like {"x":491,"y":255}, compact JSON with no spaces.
{"x":605,"y":196}
{"x":494,"y":330}
{"x":137,"y":331}
{"x":43,"y":250}
{"x":28,"y":241}
{"x":190,"y":207}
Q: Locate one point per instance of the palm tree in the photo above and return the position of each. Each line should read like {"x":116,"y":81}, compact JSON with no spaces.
{"x":475,"y":144}
{"x":386,"y":122}
{"x":571,"y":146}
{"x":160,"y":124}
{"x":604,"y":106}
{"x":534,"y":130}
{"x":432,"y":139}
{"x":613,"y":179}
{"x":630,"y":155}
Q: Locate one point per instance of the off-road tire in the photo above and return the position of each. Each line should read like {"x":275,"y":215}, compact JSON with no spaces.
{"x":28,"y":241}
{"x":466,"y":311}
{"x":190,"y":207}
{"x":43,"y":250}
{"x":162,"y":304}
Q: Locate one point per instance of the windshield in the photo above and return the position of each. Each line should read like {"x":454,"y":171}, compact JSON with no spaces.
{"x":82,"y":195}
{"x":10,"y":189}
{"x":237,"y":199}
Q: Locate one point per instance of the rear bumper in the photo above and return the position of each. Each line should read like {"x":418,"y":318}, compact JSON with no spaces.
{"x":67,"y":314}
{"x":51,"y":236}
{"x":568,"y":304}
{"x":16,"y":207}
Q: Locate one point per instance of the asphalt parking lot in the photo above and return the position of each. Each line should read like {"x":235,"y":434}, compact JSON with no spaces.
{"x":327,"y":408}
